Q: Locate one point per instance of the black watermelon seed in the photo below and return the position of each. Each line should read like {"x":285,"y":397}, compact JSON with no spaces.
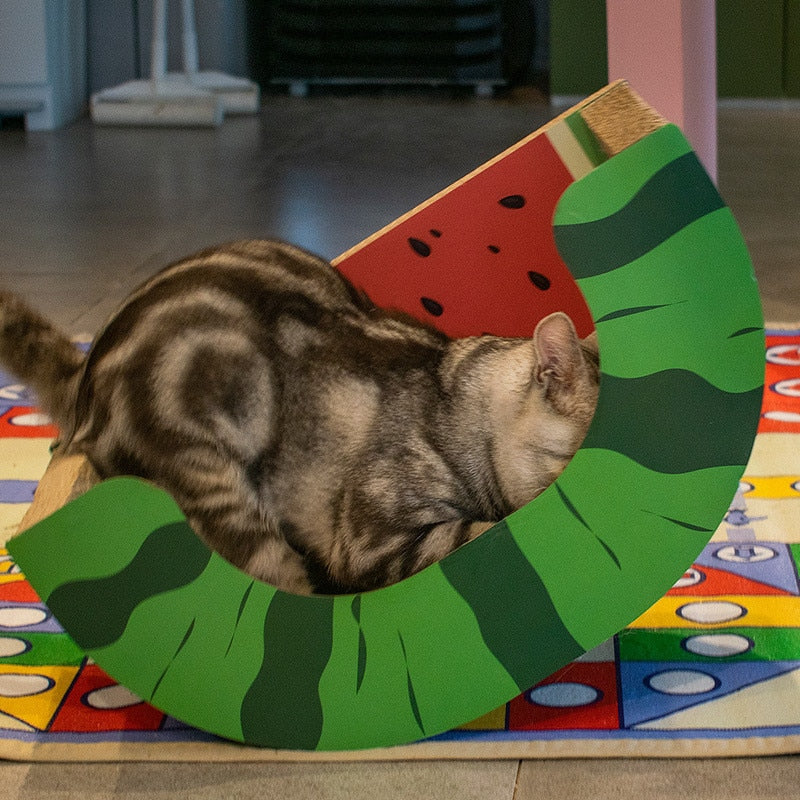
{"x":539,"y":281}
{"x":434,"y":232}
{"x":493,"y":248}
{"x":513,"y":201}
{"x":432,"y":307}
{"x":419,"y":247}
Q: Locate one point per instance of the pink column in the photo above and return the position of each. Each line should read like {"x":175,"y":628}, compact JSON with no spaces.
{"x":667,"y":51}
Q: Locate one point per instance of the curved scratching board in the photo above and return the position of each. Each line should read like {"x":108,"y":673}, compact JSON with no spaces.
{"x":662,"y":266}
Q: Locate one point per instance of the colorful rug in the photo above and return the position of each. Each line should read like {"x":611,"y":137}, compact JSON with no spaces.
{"x":712,"y":669}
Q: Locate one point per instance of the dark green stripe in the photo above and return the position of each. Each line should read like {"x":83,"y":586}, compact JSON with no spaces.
{"x":690,"y":526}
{"x":568,"y":504}
{"x":627,"y":312}
{"x":355,"y":610}
{"x":362,"y":660}
{"x":153,"y":570}
{"x":516,"y":616}
{"x":161,"y":677}
{"x":412,"y":697}
{"x":674,"y":421}
{"x":282,"y":707}
{"x":571,"y":508}
{"x":611,"y":554}
{"x":677,"y":195}
{"x":746,"y":331}
{"x":245,"y":598}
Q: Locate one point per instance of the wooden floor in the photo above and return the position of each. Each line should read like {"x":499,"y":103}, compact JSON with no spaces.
{"x":87,"y":213}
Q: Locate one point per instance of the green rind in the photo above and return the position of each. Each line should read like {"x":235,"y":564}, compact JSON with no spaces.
{"x":629,"y":171}
{"x":505,"y":615}
{"x":151,"y":571}
{"x":68,"y":537}
{"x":282,"y":706}
{"x":696,"y":287}
{"x":204,"y":644}
{"x":434,"y":645}
{"x":600,"y":246}
{"x":653,"y":524}
{"x":693,"y":420}
{"x":685,"y":414}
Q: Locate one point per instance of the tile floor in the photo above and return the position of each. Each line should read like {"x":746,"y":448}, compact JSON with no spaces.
{"x":87,"y":213}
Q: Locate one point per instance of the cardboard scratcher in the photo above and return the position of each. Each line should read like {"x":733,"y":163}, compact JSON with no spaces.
{"x":607,"y":214}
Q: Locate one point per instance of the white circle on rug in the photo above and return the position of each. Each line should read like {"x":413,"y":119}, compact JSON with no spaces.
{"x":12,"y":391}
{"x":745,"y":553}
{"x":10,"y":646}
{"x":788,"y":388}
{"x":690,"y":578}
{"x":34,"y":419}
{"x":113,"y":697}
{"x":564,"y":695}
{"x":22,"y":617}
{"x":782,"y":416}
{"x":718,"y":645}
{"x":16,"y":684}
{"x":682,"y":682}
{"x":788,"y":355}
{"x":711,"y":612}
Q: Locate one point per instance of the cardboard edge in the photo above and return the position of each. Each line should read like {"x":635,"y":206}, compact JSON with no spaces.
{"x":619,"y":118}
{"x":615,"y":105}
{"x":65,"y":478}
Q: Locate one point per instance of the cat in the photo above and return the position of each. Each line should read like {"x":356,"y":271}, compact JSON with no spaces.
{"x":314,"y":440}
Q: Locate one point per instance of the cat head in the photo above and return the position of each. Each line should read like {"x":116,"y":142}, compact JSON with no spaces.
{"x":542,"y":395}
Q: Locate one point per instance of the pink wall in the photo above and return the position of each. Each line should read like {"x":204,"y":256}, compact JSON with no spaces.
{"x":667,"y":51}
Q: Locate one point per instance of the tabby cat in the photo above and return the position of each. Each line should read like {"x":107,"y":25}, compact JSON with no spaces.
{"x":314,"y":440}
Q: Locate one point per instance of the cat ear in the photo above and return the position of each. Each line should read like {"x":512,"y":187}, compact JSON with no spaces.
{"x":558,"y":349}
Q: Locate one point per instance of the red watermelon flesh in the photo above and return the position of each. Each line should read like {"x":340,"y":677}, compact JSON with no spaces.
{"x":479,"y":257}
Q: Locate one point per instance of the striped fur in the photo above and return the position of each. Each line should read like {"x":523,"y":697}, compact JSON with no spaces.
{"x":312,"y":439}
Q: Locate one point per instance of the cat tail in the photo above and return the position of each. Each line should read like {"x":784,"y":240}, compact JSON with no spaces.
{"x":40,"y":355}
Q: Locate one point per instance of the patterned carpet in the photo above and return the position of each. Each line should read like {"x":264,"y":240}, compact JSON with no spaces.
{"x":712,"y":669}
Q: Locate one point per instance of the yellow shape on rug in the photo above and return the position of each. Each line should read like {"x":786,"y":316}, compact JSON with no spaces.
{"x":32,"y":695}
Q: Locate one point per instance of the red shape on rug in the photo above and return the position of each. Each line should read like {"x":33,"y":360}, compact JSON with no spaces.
{"x":22,"y":422}
{"x":780,"y":411}
{"x":18,"y":591}
{"x":93,"y":705}
{"x":716,"y":582}
{"x":581,"y":696}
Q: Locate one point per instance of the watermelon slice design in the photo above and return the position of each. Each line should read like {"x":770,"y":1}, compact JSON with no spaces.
{"x":124,"y":574}
{"x":482,"y":257}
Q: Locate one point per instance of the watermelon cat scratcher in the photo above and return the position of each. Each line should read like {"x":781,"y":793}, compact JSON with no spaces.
{"x":641,"y":234}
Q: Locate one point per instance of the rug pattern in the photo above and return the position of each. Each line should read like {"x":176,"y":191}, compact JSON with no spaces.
{"x":714,"y":664}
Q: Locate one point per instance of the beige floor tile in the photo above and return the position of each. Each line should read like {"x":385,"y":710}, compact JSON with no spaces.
{"x":61,"y":781}
{"x":12,"y":780}
{"x":643,"y":779}
{"x":392,"y":781}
